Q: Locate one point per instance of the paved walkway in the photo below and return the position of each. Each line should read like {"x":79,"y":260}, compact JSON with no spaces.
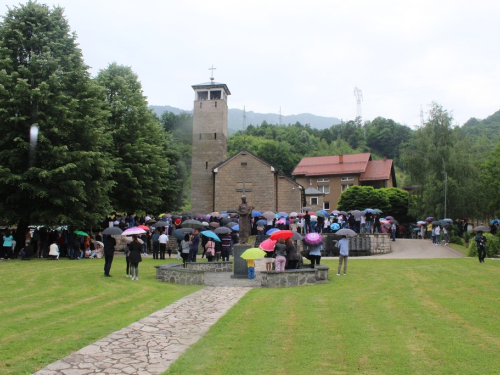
{"x":152,"y":344}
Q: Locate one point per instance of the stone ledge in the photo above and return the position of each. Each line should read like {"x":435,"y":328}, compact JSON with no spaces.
{"x":211,"y":266}
{"x":290,"y":278}
{"x":177,"y":274}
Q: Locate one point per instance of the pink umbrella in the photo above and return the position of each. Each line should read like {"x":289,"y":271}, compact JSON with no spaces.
{"x":267,"y":245}
{"x":133,"y":230}
{"x":313,"y":238}
{"x":281,"y":221}
{"x":389,"y":218}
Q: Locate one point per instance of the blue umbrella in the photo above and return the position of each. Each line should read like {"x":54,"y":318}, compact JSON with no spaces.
{"x":210,"y":234}
{"x":335,"y":226}
{"x":261,"y":222}
{"x":282,"y":214}
{"x":236,"y":228}
{"x":272,"y":230}
{"x":256,"y":214}
{"x":370,"y":211}
{"x":494,"y":221}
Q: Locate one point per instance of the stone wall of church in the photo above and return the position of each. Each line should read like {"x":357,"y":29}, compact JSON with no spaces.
{"x":259,"y":184}
{"x":289,"y":196}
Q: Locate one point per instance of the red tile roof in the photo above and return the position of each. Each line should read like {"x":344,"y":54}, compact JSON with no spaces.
{"x":377,"y":170}
{"x":329,"y":165}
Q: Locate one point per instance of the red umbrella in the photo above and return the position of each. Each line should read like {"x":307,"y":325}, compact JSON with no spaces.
{"x":144,"y":227}
{"x":281,"y":234}
{"x":267,"y":245}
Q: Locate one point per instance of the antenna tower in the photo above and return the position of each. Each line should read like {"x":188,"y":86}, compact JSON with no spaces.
{"x":421,"y":116}
{"x":358,"y":94}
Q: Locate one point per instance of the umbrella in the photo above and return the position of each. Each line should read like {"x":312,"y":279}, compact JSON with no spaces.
{"x":205,"y":224}
{"x":236,"y":228}
{"x":416,"y":229}
{"x":161,"y":224}
{"x":281,"y":234}
{"x":335,"y":212}
{"x":314,"y":218}
{"x":256,"y":214}
{"x":394,"y":222}
{"x":225,"y":221}
{"x":377,"y":211}
{"x":99,"y":243}
{"x":192,"y":224}
{"x":184,"y":230}
{"x":267,"y":245}
{"x":293,"y":214}
{"x":335,"y":226}
{"x":80,"y":233}
{"x":313,"y":238}
{"x":282,"y":214}
{"x":144,"y":227}
{"x":356,"y":213}
{"x":271,"y":231}
{"x":133,"y":230}
{"x":215,"y":214}
{"x":213,"y":224}
{"x":435,"y":223}
{"x":346,"y":232}
{"x":482,"y":228}
{"x":261,"y":222}
{"x":269,"y":215}
{"x":210,"y":234}
{"x":222,"y":230}
{"x":447,"y":220}
{"x":389,"y":218}
{"x":186,"y":213}
{"x":112,"y":230}
{"x":320,"y":214}
{"x":430,"y":218}
{"x":231,"y":224}
{"x":494,"y":221}
{"x":372,"y":211}
{"x":296,"y":236}
{"x":421,"y":222}
{"x":151,"y":221}
{"x":281,"y":221}
{"x":306,"y":208}
{"x":253,"y":253}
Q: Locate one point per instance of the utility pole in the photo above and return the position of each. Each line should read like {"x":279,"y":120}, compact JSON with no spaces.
{"x":244,"y":127}
{"x":445,"y":187}
{"x":421,"y":116}
{"x":358,"y":94}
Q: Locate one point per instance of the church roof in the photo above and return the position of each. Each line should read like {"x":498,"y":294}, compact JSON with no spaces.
{"x":212,"y":85}
{"x":332,"y":165}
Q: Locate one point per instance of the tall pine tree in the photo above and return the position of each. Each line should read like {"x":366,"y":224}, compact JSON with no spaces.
{"x":62,"y":175}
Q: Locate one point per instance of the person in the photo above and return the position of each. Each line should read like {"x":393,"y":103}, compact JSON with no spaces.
{"x":185,"y":249}
{"x":210,"y":249}
{"x":376,"y":224}
{"x":251,"y":269}
{"x":245,"y":214}
{"x":437,"y":235}
{"x":260,"y":233}
{"x":368,"y":222}
{"x":307,"y":222}
{"x":269,"y":259}
{"x":194,"y":243}
{"x":446,"y":235}
{"x":109,"y":253}
{"x":162,"y":240}
{"x":292,"y":255}
{"x":156,"y":244}
{"x":393,"y":231}
{"x":7,"y":245}
{"x":481,"y":246}
{"x":226,"y":246}
{"x":54,"y":251}
{"x":280,"y":251}
{"x":344,"y":254}
{"x":315,"y":254}
{"x":135,"y":257}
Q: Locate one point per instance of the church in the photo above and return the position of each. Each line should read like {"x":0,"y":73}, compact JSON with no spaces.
{"x":218,"y":182}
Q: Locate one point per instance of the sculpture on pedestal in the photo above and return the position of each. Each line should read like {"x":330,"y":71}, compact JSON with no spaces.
{"x":245,"y":213}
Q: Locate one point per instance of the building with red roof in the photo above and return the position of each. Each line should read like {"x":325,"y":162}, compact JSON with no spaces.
{"x":331,"y":175}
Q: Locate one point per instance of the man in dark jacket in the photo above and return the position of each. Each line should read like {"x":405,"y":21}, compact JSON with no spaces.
{"x":109,"y":252}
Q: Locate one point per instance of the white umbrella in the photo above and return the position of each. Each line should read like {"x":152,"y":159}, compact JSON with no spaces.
{"x":133,"y":230}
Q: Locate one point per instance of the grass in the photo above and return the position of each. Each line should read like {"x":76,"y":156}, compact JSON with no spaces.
{"x":429,"y":316}
{"x":464,"y":250}
{"x":50,"y":309}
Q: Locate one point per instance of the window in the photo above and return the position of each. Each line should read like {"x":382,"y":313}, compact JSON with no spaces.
{"x":347,"y":179}
{"x":323,"y":180}
{"x":326,"y":206}
{"x":214,"y":95}
{"x":345,"y":186}
{"x":324,"y":189}
{"x":202,"y":95}
{"x":314,"y":201}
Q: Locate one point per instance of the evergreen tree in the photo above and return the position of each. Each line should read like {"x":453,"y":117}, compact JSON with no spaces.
{"x":62,"y":175}
{"x":143,"y":152}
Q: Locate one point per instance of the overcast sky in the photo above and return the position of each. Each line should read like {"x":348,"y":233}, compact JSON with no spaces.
{"x":302,"y":56}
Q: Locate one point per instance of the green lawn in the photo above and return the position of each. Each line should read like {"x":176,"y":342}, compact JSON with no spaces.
{"x":460,"y":248}
{"x":50,"y":309}
{"x":386,"y":317}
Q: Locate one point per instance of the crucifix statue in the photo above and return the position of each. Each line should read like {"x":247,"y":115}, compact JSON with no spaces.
{"x":212,"y":75}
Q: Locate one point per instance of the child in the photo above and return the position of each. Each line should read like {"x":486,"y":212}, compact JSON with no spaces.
{"x":251,"y":269}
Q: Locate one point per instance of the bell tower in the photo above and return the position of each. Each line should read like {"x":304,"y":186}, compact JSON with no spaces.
{"x":209,"y":141}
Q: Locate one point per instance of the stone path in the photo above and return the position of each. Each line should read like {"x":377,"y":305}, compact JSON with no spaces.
{"x":152,"y":344}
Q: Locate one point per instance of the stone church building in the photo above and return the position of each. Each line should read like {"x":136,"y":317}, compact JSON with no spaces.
{"x":218,"y":182}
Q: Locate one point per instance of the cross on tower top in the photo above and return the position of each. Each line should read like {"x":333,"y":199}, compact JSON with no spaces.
{"x":212,"y":75}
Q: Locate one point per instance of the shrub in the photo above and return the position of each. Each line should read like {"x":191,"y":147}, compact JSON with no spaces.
{"x":457,"y":240}
{"x":492,"y":246}
{"x":466,"y":237}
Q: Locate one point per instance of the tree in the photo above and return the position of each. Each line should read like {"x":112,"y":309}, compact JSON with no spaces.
{"x":361,"y":197}
{"x":398,"y":201}
{"x":438,"y":155}
{"x":144,"y":170}
{"x":62,"y":175}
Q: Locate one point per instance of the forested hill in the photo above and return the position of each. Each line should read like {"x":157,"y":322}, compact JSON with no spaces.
{"x":235,"y":118}
{"x":485,"y":134}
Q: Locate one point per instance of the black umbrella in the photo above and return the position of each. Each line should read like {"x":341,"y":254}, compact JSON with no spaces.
{"x":151,"y":221}
{"x":161,"y":224}
{"x":222,"y":230}
{"x":225,"y":220}
{"x":231,"y":224}
{"x":180,"y":233}
{"x":296,"y":236}
{"x":112,"y":230}
{"x":482,"y":228}
{"x":192,"y":224}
